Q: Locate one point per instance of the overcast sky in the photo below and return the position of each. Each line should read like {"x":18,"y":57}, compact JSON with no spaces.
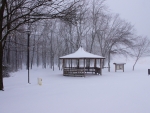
{"x":135,"y":11}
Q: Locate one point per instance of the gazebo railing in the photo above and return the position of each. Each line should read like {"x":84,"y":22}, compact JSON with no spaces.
{"x":81,"y":71}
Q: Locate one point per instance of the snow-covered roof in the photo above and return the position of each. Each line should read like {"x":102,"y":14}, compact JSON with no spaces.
{"x":81,"y":53}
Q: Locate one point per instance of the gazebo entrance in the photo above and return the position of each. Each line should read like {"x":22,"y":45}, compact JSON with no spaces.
{"x":80,"y":70}
{"x":81,"y":63}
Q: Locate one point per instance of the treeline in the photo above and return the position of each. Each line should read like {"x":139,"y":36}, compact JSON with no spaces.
{"x":93,"y":26}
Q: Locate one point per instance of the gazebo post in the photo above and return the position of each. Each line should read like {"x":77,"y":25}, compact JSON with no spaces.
{"x":71,"y":63}
{"x":78,"y":66}
{"x":84,"y":67}
{"x":68,"y":65}
{"x":63,"y":65}
{"x":59,"y":63}
{"x":95,"y":65}
{"x":100,"y":67}
{"x":79,"y":63}
{"x":89,"y":64}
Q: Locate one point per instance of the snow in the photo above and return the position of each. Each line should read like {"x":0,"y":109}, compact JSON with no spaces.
{"x":81,"y":53}
{"x":113,"y":92}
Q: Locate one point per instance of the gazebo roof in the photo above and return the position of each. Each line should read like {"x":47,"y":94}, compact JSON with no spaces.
{"x":81,"y":53}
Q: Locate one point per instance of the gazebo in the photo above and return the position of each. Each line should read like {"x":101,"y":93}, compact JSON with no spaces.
{"x":81,"y":62}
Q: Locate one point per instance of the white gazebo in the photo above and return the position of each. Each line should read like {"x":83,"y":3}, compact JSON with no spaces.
{"x":81,"y":62}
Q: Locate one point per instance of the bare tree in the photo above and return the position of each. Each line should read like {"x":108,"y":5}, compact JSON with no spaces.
{"x":141,"y":49}
{"x":98,"y":8}
{"x":113,"y":35}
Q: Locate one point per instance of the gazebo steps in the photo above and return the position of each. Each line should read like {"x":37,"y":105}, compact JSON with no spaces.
{"x":75,"y":75}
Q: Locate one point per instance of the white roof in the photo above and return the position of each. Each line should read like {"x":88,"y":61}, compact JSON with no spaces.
{"x":81,"y":53}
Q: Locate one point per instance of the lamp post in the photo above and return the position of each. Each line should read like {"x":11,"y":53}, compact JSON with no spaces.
{"x":28,"y":55}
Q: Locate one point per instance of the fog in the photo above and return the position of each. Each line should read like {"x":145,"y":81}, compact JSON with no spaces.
{"x":134,"y":11}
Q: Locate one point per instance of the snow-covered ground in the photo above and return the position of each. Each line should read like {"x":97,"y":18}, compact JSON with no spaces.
{"x":113,"y":92}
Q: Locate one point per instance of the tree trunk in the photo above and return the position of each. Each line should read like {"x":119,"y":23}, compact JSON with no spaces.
{"x":8,"y":52}
{"x":2,"y":8}
{"x":135,"y":63}
{"x":33,"y":51}
{"x":16,"y":54}
{"x":37,"y":60}
{"x":32,"y":57}
{"x":109,"y":62}
{"x":1,"y":65}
